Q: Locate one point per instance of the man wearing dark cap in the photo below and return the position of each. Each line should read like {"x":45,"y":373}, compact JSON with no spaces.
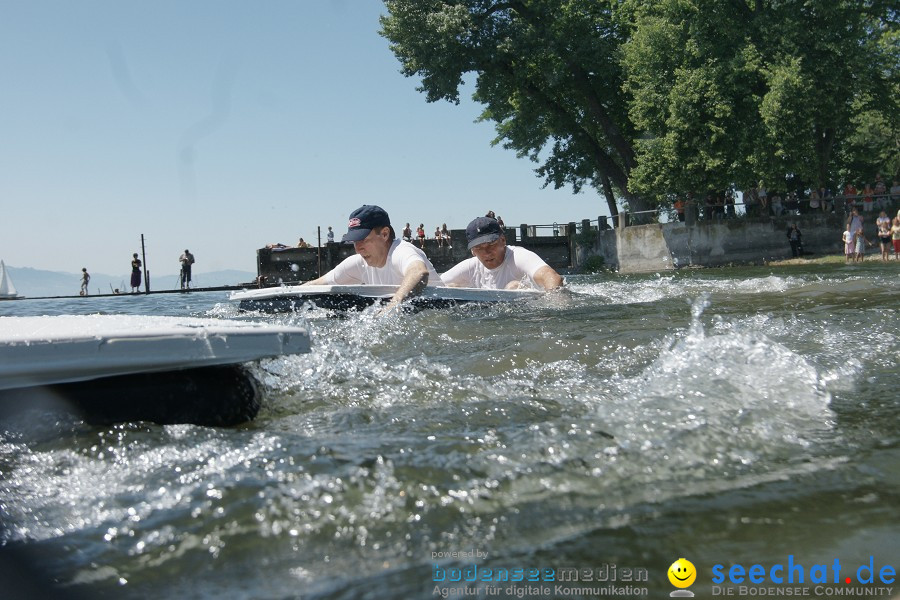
{"x":381,"y":259}
{"x":497,"y":266}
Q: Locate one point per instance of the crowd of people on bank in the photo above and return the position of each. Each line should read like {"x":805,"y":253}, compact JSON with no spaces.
{"x":760,"y":201}
{"x":855,"y":240}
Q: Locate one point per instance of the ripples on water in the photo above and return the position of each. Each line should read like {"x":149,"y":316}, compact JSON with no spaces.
{"x":725,"y":415}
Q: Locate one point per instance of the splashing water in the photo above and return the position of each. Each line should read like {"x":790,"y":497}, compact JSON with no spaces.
{"x":630,"y":420}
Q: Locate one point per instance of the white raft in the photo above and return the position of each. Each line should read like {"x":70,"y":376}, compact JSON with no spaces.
{"x":123,"y":367}
{"x":357,"y":297}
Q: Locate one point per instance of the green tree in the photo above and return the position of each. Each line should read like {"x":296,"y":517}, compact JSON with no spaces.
{"x":734,"y":90}
{"x":547,"y":72}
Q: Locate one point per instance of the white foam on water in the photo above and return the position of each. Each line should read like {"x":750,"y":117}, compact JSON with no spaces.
{"x":662,"y":287}
{"x":719,"y":405}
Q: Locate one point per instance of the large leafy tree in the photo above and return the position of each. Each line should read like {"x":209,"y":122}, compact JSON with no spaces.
{"x":547,"y":72}
{"x":735,"y":90}
{"x":646,"y":99}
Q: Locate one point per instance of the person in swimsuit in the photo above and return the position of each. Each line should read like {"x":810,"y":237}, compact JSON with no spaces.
{"x":420,"y":232}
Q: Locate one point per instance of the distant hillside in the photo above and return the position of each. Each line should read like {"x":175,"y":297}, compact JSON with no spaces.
{"x":35,"y":282}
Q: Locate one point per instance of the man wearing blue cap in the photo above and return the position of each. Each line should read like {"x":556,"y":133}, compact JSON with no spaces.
{"x":380,"y":258}
{"x":495,"y":265}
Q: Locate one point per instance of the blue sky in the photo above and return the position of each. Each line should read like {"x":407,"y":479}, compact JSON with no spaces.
{"x":220,"y":126}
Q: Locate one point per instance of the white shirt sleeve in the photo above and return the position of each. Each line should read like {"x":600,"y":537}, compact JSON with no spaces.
{"x":461,"y":274}
{"x":350,"y":271}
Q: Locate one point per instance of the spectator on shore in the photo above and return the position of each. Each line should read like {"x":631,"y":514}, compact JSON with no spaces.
{"x":135,"y":273}
{"x":795,"y":238}
{"x":729,"y":204}
{"x":420,"y":233}
{"x":445,"y":233}
{"x":186,"y":260}
{"x":895,"y":235}
{"x":883,"y":223}
{"x":814,"y":200}
{"x":777,"y":207}
{"x":407,"y":233}
{"x":500,"y":220}
{"x":381,"y":259}
{"x":849,"y":244}
{"x":849,"y":197}
{"x":302,"y":243}
{"x":494,"y":265}
{"x":861,"y":241}
{"x":868,"y":198}
{"x":882,"y":199}
{"x":85,"y":280}
{"x":763,"y":196}
{"x":439,"y":237}
{"x":854,"y":221}
{"x":330,"y":235}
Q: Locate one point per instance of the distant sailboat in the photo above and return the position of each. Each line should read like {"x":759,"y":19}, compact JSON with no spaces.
{"x":7,"y":289}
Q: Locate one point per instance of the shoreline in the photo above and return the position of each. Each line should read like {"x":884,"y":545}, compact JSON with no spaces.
{"x":828,"y":259}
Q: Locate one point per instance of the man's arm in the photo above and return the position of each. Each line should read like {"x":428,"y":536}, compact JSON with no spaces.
{"x":547,"y":278}
{"x":459,"y":275}
{"x":414,"y":281}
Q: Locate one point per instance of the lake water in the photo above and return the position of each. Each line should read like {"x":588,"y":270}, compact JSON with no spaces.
{"x":732,"y":417}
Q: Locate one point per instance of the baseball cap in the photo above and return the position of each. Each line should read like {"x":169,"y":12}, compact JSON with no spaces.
{"x":483,"y":230}
{"x":363,"y":220}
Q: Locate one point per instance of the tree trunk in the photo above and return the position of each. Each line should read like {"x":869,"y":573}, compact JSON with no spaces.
{"x":610,"y":197}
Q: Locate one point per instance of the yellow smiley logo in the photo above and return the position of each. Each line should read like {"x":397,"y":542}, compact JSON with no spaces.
{"x":682,"y":573}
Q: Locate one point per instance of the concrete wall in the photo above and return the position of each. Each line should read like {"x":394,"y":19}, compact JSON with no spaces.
{"x":663,"y":247}
{"x":634,"y":249}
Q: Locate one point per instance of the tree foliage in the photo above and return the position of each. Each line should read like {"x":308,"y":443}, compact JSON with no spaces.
{"x":547,"y":73}
{"x":645,"y":99}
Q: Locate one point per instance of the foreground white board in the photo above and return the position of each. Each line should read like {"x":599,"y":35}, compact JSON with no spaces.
{"x":57,"y":349}
{"x":354,"y":297}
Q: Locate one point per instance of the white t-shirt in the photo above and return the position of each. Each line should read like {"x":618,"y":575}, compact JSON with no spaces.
{"x":519,"y":264}
{"x":354,"y":270}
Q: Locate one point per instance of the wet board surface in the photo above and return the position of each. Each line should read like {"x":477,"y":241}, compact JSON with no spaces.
{"x":356,"y":297}
{"x":67,"y":348}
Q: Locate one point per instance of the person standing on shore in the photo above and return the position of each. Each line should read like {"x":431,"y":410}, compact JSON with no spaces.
{"x":883,"y":222}
{"x":85,"y":280}
{"x":330,"y":235}
{"x":186,"y":260}
{"x":135,"y":273}
{"x":861,"y":241}
{"x":849,"y":245}
{"x":795,"y":238}
{"x":895,"y":235}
